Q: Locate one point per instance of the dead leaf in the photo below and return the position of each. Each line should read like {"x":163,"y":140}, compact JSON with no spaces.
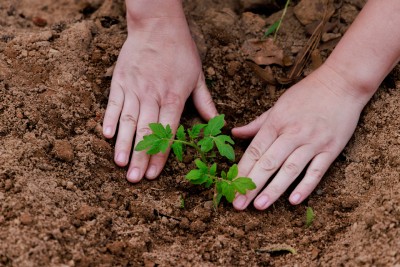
{"x":265,"y":74}
{"x":263,"y":52}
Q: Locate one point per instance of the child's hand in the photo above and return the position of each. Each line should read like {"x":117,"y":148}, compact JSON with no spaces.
{"x":157,"y":69}
{"x":310,"y":123}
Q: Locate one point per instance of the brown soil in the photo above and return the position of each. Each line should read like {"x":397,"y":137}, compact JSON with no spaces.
{"x":63,"y":201}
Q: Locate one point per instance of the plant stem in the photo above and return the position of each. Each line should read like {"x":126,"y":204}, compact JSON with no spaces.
{"x":281,"y":19}
{"x":195,"y":146}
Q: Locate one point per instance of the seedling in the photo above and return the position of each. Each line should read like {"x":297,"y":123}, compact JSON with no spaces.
{"x":207,"y":140}
{"x":274,"y":28}
{"x":309,"y":216}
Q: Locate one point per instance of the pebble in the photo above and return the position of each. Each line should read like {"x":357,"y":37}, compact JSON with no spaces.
{"x":63,"y":150}
{"x":25,"y":218}
{"x":70,"y":186}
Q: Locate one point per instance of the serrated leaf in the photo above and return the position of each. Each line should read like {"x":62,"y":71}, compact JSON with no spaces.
{"x":232,"y":172}
{"x":204,"y":178}
{"x":195,"y":131}
{"x":177,"y":148}
{"x":223,"y":174}
{"x":271,"y":28}
{"x":228,"y":191}
{"x":242,"y":184}
{"x":147,"y":142}
{"x":224,"y":148}
{"x":206,"y":144}
{"x":213,"y":169}
{"x":201,"y":165}
{"x":214,"y":126}
{"x":194,"y":175}
{"x":159,"y":130}
{"x":180,"y":133}
{"x":160,"y":145}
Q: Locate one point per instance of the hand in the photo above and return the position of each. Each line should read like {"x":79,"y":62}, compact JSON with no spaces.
{"x":157,"y":69}
{"x":310,"y":124}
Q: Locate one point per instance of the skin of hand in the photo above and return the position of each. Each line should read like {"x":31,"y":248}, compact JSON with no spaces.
{"x":158,"y":68}
{"x":312,"y":122}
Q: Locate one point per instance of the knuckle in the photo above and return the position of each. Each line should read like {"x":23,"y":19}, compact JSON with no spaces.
{"x":172,"y":99}
{"x":128,"y":118}
{"x":254,"y":152}
{"x":291,"y":169}
{"x":267,"y":163}
{"x":113,"y":103}
{"x":315,"y":175}
{"x":144,"y":131}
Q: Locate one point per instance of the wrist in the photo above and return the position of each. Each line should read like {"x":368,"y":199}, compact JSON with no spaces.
{"x":140,"y":12}
{"x":344,"y":84}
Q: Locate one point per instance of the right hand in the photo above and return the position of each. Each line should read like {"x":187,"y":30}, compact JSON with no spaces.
{"x":157,"y":70}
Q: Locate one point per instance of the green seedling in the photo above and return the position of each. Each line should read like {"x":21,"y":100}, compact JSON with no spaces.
{"x":309,"y":216}
{"x":207,"y":140}
{"x":274,"y":28}
{"x":182,"y":199}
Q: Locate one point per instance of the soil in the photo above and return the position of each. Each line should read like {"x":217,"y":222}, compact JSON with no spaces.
{"x":63,"y":201}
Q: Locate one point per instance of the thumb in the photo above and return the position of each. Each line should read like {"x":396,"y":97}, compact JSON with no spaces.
{"x":203,"y":101}
{"x":251,"y":129}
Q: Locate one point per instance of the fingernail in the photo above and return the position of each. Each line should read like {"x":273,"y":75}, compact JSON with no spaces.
{"x":295,"y":198}
{"x":134,"y":175}
{"x":107,"y":131}
{"x":240,"y":202}
{"x":151,"y":172}
{"x":121,"y":158}
{"x":262,"y":202}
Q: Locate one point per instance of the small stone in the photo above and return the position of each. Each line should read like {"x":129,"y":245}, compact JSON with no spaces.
{"x":233,"y":68}
{"x":82,"y":230}
{"x":70,"y":186}
{"x":210,"y":71}
{"x":25,"y":218}
{"x":63,"y":150}
{"x":40,"y":22}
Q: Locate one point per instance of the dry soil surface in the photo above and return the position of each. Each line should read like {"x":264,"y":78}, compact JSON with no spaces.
{"x":63,"y":202}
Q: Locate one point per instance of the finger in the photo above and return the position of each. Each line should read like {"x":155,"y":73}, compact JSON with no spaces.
{"x":318,"y":167}
{"x":265,"y":167}
{"x":258,"y":146}
{"x":126,"y":130}
{"x":203,"y":101}
{"x":170,"y":113}
{"x":289,"y":171}
{"x":149,"y":111}
{"x":251,"y":129}
{"x":113,"y":111}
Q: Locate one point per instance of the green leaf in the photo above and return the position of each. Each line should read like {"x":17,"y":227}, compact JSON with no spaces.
{"x":242,"y":184}
{"x":213,"y":169}
{"x":204,"y":178}
{"x":195,"y":131}
{"x":206,"y":144}
{"x":217,"y":199}
{"x":228,"y":191}
{"x":160,"y":145}
{"x":180,"y":133}
{"x":223,"y":174}
{"x":233,"y":172}
{"x":201,"y":165}
{"x":159,"y":130}
{"x":272,"y":28}
{"x":309,"y":216}
{"x":147,"y":142}
{"x":194,"y":175}
{"x":214,"y":126}
{"x":177,"y":148}
{"x":225,"y":149}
